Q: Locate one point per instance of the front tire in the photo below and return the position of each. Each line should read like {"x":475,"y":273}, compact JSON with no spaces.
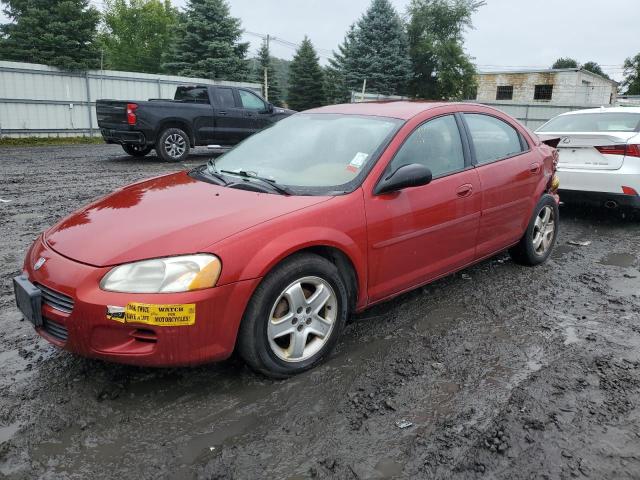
{"x":538,"y":240}
{"x":173,"y":145}
{"x":295,"y":317}
{"x":136,"y":150}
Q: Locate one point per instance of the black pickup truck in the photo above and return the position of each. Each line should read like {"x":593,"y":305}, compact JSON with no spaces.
{"x":198,"y":115}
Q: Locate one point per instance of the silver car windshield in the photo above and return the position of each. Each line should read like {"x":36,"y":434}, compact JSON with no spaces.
{"x":594,"y":122}
{"x":312,"y":150}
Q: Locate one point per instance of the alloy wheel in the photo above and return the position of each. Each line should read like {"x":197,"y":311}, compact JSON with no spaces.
{"x":302,"y":319}
{"x":543,"y":230}
{"x":175,"y":145}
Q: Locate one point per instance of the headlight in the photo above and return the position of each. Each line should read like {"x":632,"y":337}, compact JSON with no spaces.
{"x":164,"y":275}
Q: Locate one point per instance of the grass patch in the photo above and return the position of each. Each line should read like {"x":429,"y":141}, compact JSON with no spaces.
{"x":43,"y":141}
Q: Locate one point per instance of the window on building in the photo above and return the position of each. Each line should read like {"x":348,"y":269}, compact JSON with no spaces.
{"x":504,"y":92}
{"x":543,"y":92}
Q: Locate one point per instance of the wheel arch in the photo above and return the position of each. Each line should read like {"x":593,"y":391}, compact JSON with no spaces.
{"x":176,"y":123}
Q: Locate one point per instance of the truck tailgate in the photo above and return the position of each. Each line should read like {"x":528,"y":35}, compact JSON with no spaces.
{"x":111,"y":113}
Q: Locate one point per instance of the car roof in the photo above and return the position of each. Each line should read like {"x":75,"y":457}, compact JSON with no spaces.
{"x":401,"y":109}
{"x":604,"y":110}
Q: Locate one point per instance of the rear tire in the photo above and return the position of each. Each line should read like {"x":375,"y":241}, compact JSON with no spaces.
{"x":538,"y":240}
{"x":295,"y":317}
{"x":173,"y":145}
{"x":136,"y":150}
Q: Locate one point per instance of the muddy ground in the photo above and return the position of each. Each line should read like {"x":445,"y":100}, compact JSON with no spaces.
{"x":500,"y":371}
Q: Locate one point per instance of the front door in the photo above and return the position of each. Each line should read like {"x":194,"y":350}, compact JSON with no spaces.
{"x":418,"y":234}
{"x":255,"y":109}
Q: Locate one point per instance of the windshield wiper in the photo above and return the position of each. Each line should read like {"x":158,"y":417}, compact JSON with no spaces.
{"x":213,"y":171}
{"x":268,"y":181}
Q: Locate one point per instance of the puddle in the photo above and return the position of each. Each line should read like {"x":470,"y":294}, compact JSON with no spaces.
{"x":619,"y":260}
{"x":627,"y":285}
{"x":208,"y":444}
{"x":388,"y":468}
{"x":7,"y":433}
{"x":561,"y":250}
{"x":440,"y":318}
{"x":571,"y":336}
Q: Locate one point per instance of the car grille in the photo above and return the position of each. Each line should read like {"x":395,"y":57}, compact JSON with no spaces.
{"x":54,"y":329}
{"x":57,"y":300}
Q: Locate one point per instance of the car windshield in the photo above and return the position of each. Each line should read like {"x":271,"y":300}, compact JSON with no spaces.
{"x":594,"y":122}
{"x":312,"y":151}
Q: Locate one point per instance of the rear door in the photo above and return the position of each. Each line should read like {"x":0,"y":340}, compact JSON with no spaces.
{"x":230,"y":121}
{"x":200,"y":110}
{"x":509,"y":172}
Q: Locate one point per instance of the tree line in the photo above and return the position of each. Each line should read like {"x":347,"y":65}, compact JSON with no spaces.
{"x":420,"y":54}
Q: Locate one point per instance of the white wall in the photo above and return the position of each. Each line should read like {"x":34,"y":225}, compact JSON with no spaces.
{"x":570,"y":88}
{"x":37,"y":100}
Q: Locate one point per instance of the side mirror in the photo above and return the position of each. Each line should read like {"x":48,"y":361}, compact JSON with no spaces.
{"x":412,"y":175}
{"x":269,"y":107}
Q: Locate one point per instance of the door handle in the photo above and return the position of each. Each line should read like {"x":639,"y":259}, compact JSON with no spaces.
{"x":222,"y":112}
{"x":534,"y":168}
{"x":465,"y":190}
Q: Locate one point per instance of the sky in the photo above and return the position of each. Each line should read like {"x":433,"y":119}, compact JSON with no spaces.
{"x":507,"y":33}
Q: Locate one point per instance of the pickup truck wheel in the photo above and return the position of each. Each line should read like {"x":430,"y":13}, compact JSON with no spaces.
{"x":173,"y":145}
{"x":137,"y":150}
{"x":295,"y":317}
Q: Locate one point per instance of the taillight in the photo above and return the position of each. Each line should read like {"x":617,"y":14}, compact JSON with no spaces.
{"x":633,"y":150}
{"x":131,"y":113}
{"x":628,"y":150}
{"x":629,"y":191}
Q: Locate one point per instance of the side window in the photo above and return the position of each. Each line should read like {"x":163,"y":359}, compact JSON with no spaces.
{"x":251,"y":101}
{"x":224,"y":97}
{"x":192,"y":94}
{"x":492,"y":138}
{"x":436,"y":144}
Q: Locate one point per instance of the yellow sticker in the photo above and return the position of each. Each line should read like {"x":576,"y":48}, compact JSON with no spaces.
{"x":161,"y":315}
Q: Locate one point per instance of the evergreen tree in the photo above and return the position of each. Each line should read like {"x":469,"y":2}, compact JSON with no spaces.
{"x":208,"y":43}
{"x":336,"y":88}
{"x":137,"y":33}
{"x":565,"y":62}
{"x":594,"y":67}
{"x":631,"y":82}
{"x":376,"y":49}
{"x":305,"y":79}
{"x":441,"y":68}
{"x":266,"y":62}
{"x":60,"y":33}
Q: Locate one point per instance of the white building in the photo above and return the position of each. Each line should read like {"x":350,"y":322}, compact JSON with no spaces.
{"x":570,"y":87}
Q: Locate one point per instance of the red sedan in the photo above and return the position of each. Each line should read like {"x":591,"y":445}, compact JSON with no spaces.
{"x":269,"y":248}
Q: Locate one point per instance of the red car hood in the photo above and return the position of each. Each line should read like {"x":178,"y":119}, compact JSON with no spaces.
{"x":169,"y":215}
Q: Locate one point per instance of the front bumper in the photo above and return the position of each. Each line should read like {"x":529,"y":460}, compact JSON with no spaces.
{"x":85,"y":329}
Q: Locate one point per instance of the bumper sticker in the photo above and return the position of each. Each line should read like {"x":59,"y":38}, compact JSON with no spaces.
{"x":176,"y":315}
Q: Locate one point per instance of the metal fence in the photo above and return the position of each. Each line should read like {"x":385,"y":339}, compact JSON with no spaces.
{"x":37,"y":100}
{"x":532,"y":116}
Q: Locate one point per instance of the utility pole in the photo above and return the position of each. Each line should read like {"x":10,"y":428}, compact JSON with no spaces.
{"x":364,"y":89}
{"x":266,"y":72}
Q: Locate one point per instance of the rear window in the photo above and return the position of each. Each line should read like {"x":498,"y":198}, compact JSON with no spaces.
{"x":594,"y":122}
{"x":192,"y":94}
{"x":492,"y":138}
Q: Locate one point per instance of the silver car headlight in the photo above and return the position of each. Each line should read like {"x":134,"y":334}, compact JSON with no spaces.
{"x":164,"y":275}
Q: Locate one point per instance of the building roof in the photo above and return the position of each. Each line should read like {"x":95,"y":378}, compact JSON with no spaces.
{"x":545,"y":70}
